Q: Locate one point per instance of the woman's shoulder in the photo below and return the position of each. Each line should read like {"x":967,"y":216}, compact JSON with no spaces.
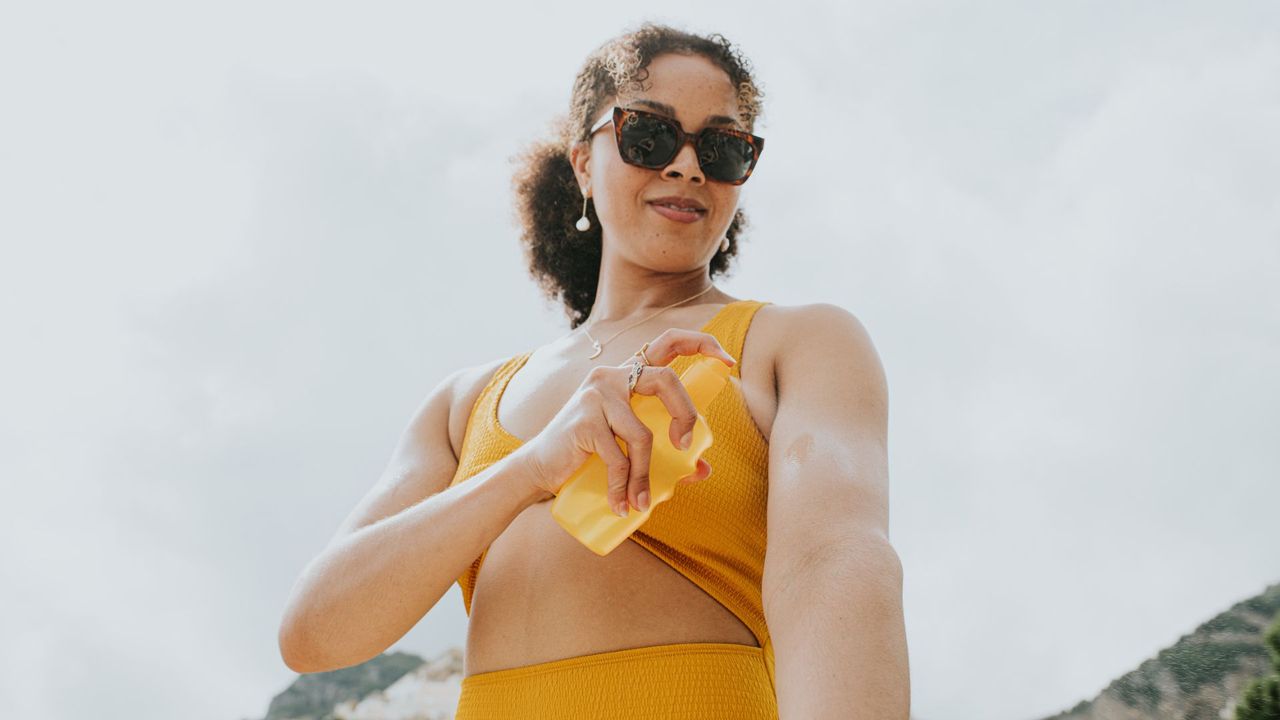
{"x":805,"y":339}
{"x":810,"y":315}
{"x":791,"y":330}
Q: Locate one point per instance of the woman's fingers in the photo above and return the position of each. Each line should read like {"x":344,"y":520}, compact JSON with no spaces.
{"x":639,"y":442}
{"x":616,"y":462}
{"x":675,"y":342}
{"x":661,"y":380}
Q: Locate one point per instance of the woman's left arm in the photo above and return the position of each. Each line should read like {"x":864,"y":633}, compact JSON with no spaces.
{"x":832,"y":582}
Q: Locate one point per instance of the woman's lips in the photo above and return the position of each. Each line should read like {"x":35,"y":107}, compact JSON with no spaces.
{"x":684,"y":216}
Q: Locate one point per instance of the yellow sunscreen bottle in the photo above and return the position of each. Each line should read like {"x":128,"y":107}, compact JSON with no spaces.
{"x":582,"y":505}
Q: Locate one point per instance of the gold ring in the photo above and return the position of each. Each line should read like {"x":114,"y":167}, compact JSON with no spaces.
{"x":644,"y":357}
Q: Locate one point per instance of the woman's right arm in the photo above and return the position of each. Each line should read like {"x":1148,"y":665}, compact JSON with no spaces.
{"x":403,"y":545}
{"x":412,"y":536}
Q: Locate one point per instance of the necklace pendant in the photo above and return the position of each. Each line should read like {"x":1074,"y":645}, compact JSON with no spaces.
{"x":596,"y":344}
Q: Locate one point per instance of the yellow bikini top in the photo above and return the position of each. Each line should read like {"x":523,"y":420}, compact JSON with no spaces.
{"x":713,"y":531}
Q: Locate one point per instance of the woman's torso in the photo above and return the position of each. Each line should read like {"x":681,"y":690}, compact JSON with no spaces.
{"x":542,"y":595}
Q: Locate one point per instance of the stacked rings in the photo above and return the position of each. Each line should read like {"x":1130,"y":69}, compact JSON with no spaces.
{"x":638,"y":363}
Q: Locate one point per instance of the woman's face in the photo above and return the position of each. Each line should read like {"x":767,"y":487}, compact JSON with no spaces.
{"x":691,"y":89}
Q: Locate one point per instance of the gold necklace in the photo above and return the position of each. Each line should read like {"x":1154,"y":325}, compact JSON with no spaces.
{"x":598,"y":346}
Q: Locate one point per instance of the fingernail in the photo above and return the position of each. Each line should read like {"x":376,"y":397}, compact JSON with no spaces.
{"x":686,"y":440}
{"x":643,"y":497}
{"x":621,"y":510}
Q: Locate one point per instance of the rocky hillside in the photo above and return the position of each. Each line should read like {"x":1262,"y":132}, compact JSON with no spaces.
{"x":1200,"y":677}
{"x":392,"y":686}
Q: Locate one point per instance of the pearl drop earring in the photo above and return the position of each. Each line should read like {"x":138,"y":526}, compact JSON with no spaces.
{"x":583,"y":224}
{"x":724,"y":244}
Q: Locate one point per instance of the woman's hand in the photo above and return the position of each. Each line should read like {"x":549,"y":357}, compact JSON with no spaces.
{"x":601,"y":409}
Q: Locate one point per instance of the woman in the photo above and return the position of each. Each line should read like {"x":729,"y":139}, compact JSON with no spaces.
{"x":689,"y":617}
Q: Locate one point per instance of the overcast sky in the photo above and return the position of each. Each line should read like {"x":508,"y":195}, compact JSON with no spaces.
{"x":241,"y":242}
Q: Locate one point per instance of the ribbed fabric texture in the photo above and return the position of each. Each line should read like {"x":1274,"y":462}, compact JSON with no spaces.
{"x":684,"y":681}
{"x":713,"y":531}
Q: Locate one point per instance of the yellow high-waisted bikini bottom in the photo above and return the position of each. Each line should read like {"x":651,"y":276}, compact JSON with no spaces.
{"x":681,"y":681}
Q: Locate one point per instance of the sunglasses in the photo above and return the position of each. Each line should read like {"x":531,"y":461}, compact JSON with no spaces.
{"x":652,"y":141}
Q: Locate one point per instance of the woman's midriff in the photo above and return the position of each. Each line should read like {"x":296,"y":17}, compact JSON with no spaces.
{"x":541,"y":596}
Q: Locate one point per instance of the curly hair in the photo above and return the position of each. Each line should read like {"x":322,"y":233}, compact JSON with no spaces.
{"x":564,"y":261}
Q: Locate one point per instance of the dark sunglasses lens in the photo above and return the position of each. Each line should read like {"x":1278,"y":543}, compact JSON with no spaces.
{"x":725,"y":157}
{"x":648,"y":142}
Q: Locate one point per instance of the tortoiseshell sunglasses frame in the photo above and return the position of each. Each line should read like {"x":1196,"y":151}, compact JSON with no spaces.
{"x":618,"y":116}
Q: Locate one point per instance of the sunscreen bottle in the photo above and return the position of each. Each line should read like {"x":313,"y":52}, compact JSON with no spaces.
{"x":581,"y":506}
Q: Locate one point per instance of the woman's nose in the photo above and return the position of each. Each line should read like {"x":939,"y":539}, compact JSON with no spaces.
{"x":685,"y":163}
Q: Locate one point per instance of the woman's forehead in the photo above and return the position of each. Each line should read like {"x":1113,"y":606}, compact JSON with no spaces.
{"x":686,"y":85}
